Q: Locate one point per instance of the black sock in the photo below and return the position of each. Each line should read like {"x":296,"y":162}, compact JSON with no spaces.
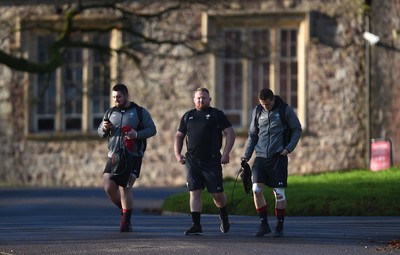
{"x":280,"y":214}
{"x":126,"y":215}
{"x":264,"y":218}
{"x":196,"y":218}
{"x":263,"y":214}
{"x":223,"y":212}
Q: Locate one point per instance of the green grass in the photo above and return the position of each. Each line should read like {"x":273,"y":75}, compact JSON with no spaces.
{"x":350,"y":193}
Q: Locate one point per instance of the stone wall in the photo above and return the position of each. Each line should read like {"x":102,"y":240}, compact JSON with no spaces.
{"x":334,"y":137}
{"x":334,"y":132}
{"x":385,"y":74}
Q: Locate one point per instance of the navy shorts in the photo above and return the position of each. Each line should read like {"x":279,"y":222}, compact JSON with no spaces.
{"x":137,"y":164}
{"x":202,"y":174}
{"x":273,"y":172}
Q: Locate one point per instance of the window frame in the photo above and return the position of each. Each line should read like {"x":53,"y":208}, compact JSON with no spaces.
{"x":88,"y":127}
{"x":214,"y":24}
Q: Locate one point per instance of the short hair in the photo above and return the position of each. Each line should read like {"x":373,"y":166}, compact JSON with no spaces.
{"x":202,"y":89}
{"x":266,"y":94}
{"x":121,"y":88}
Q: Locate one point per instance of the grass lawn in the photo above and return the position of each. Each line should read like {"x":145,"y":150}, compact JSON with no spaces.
{"x":345,"y":193}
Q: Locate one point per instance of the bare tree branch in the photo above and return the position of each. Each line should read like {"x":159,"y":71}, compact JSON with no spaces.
{"x":142,"y":21}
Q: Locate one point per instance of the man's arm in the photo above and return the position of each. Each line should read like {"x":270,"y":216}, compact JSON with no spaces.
{"x":230,"y":137}
{"x":295,"y":126}
{"x":252,"y":138}
{"x":178,"y":145}
{"x":149,"y":128}
{"x":103,"y":130}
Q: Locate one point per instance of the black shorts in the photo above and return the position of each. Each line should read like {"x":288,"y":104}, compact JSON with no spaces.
{"x":273,"y":172}
{"x":137,"y":164}
{"x":202,"y":174}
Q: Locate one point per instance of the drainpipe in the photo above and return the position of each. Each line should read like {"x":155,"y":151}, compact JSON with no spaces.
{"x":371,"y":40}
{"x":367,"y":95}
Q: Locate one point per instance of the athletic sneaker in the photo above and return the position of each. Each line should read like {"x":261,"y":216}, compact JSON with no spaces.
{"x":278,"y":229}
{"x":225,"y":225}
{"x":262,"y":230}
{"x":195,"y":230}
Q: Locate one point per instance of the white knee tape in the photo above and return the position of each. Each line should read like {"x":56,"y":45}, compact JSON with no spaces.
{"x":256,"y":189}
{"x":279,"y":194}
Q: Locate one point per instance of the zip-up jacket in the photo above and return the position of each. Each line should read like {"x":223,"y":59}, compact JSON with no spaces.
{"x":127,"y":117}
{"x":268,"y":141}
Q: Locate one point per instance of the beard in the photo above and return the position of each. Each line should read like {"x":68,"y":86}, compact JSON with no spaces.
{"x":202,"y":106}
{"x":123,"y":104}
{"x":118,"y":105}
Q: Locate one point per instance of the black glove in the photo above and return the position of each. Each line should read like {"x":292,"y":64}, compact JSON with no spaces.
{"x":245,"y":175}
{"x":243,"y":162}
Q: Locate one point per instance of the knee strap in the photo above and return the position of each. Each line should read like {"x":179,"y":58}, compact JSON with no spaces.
{"x":256,"y":188}
{"x":279,"y":194}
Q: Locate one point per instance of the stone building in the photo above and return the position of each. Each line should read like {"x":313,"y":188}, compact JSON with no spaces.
{"x":310,"y":52}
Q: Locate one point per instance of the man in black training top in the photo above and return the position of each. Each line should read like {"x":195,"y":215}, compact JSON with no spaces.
{"x":203,"y":127}
{"x":267,"y":137}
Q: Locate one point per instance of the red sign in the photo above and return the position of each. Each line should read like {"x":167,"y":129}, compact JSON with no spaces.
{"x":380,"y":155}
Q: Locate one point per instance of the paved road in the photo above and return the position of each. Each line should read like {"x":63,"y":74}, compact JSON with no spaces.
{"x":83,"y":221}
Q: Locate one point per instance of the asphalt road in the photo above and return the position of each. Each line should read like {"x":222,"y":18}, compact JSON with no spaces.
{"x":83,"y":221}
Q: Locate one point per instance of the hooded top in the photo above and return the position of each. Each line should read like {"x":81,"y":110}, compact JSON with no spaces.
{"x":121,"y":119}
{"x":268,"y":141}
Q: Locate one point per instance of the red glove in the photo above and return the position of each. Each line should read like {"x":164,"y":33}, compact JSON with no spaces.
{"x":129,"y":143}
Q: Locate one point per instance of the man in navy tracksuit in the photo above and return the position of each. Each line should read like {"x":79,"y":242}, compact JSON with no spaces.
{"x":270,"y":166}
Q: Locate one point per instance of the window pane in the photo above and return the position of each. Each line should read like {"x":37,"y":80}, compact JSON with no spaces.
{"x":46,"y":124}
{"x":294,"y":85}
{"x":260,"y":39}
{"x":237,"y":98}
{"x":73,"y":123}
{"x":43,"y":46}
{"x":233,"y":44}
{"x":260,"y":75}
{"x":232,"y":72}
{"x":73,"y":87}
{"x":294,"y":101}
{"x":293,"y":68}
{"x":293,"y":50}
{"x":288,"y":83}
{"x":284,"y":43}
{"x":100,"y":81}
{"x":235,"y":119}
{"x":232,"y":85}
{"x":45,"y":91}
{"x":266,"y":74}
{"x":260,"y":43}
{"x":283,"y":88}
{"x":96,"y":121}
{"x":293,"y":42}
{"x":283,"y":69}
{"x":73,"y":90}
